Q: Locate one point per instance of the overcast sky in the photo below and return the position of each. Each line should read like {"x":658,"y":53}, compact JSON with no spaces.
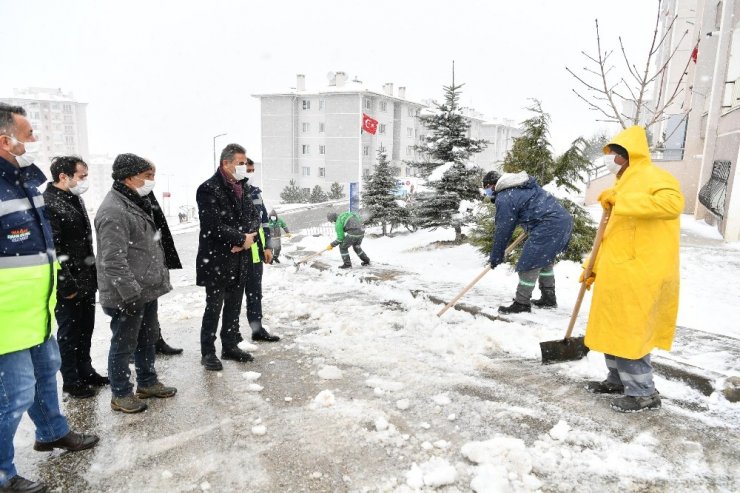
{"x":163,"y":77}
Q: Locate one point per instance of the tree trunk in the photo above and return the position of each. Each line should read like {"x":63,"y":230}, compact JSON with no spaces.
{"x":383,"y":223}
{"x":458,"y":234}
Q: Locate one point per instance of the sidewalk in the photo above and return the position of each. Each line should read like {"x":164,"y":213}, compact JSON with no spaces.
{"x":706,"y":348}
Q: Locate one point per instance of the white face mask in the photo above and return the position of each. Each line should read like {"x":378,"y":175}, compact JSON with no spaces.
{"x":240,"y":172}
{"x":610,"y":164}
{"x":273,"y":218}
{"x":147,"y":188}
{"x":250,"y":175}
{"x":30,"y":155}
{"x":80,"y":188}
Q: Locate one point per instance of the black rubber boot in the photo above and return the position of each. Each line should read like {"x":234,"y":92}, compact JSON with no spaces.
{"x":515,"y":307}
{"x":163,"y":348}
{"x":547,"y":300}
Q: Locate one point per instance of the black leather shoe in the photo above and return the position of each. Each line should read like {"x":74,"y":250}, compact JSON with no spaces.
{"x":19,"y":484}
{"x":211,"y":362}
{"x":345,"y":266}
{"x":96,"y":380}
{"x":263,"y":335}
{"x":78,"y":390}
{"x":163,"y":348}
{"x":236,"y":354}
{"x":71,"y":442}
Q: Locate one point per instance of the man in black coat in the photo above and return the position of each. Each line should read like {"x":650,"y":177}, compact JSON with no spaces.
{"x":77,"y":279}
{"x":229,"y":222}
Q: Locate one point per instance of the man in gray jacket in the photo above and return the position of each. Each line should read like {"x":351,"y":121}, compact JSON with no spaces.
{"x":132,"y":275}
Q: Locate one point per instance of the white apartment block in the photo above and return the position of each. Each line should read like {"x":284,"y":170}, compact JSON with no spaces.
{"x":314,"y":138}
{"x":57,"y":119}
{"x":100,"y":171}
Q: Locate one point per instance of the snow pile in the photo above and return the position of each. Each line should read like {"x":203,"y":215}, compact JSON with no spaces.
{"x":251,"y":375}
{"x":505,"y":464}
{"x":433,"y":473}
{"x":259,"y":430}
{"x":330,"y":372}
{"x":325,"y":398}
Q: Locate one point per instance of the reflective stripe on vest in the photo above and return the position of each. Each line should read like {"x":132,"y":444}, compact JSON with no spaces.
{"x":255,"y":248}
{"x":18,"y":205}
{"x":27,"y":301}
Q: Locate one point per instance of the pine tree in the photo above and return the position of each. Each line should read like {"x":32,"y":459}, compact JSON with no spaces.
{"x":447,"y":144}
{"x":336,"y":191}
{"x":378,"y":196}
{"x":318,"y":195}
{"x":531,"y":152}
{"x":291,"y":194}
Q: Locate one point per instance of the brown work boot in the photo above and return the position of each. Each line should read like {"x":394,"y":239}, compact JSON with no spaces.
{"x":128,"y":404}
{"x":156,"y":390}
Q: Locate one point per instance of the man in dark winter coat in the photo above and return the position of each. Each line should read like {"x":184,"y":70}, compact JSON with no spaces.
{"x":132,"y":275}
{"x":229,"y":223}
{"x":275,"y":225}
{"x":77,"y":279}
{"x":261,"y":253}
{"x":520,"y":201}
{"x":171,"y":260}
{"x":350,"y":233}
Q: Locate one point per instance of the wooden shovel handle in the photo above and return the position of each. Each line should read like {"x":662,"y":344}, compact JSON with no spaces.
{"x":589,"y":268}
{"x":485,"y":271}
{"x":313,"y":255}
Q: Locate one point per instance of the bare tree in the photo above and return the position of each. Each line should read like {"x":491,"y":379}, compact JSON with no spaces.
{"x":605,"y":91}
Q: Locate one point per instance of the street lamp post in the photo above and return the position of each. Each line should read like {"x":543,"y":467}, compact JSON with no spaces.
{"x":215,"y":163}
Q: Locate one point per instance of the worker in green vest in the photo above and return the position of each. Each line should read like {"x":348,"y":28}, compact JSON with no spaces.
{"x":350,"y":233}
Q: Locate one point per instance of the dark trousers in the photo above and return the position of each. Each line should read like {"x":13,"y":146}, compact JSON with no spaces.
{"x":76,"y":320}
{"x":276,"y":245}
{"x":133,"y":333}
{"x":253,"y":290}
{"x":230,"y":299}
{"x":354,"y":241}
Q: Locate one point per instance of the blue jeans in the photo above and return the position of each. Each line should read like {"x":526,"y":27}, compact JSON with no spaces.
{"x":133,"y":333}
{"x":28,"y":383}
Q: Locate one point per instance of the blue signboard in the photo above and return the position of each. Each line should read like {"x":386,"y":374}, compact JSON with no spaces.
{"x":354,"y":196}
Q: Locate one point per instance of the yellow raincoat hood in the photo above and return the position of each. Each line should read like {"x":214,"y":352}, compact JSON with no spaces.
{"x":635,"y":300}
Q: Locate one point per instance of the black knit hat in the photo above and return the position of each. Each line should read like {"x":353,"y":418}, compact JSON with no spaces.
{"x":332,"y":217}
{"x":127,"y":165}
{"x":491,"y":178}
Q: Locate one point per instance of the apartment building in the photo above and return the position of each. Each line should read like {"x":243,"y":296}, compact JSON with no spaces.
{"x":699,"y":139}
{"x":58,"y":120}
{"x":314,"y":137}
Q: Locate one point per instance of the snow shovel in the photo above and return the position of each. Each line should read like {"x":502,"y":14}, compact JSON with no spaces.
{"x":310,"y":257}
{"x":485,"y":271}
{"x":573,"y":348}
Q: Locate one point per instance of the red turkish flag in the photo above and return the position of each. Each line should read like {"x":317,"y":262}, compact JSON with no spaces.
{"x":369,"y":124}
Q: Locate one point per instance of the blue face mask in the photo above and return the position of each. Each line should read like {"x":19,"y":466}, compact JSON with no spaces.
{"x":488,"y":192}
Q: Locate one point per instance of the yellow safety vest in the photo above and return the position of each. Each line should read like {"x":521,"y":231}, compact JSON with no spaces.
{"x":255,"y":248}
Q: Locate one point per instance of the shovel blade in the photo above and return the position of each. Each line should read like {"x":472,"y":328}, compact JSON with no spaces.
{"x":570,"y":349}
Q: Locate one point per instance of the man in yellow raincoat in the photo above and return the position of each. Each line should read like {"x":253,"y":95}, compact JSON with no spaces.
{"x":635,"y":301}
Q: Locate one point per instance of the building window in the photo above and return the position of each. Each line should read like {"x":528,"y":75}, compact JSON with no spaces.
{"x":68,"y":129}
{"x":409,"y":150}
{"x":321,"y":128}
{"x":368,"y":104}
{"x":67,"y":108}
{"x":322,"y":171}
{"x":409,"y":132}
{"x":383,"y":106}
{"x":322,"y":149}
{"x":321,"y":104}
{"x":306,"y":127}
{"x":69,"y":140}
{"x":305,"y":149}
{"x":382,"y":128}
{"x":306,"y":190}
{"x":365,"y":172}
{"x":365,"y":150}
{"x":306,"y":104}
{"x":411,"y":111}
{"x":306,"y":171}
